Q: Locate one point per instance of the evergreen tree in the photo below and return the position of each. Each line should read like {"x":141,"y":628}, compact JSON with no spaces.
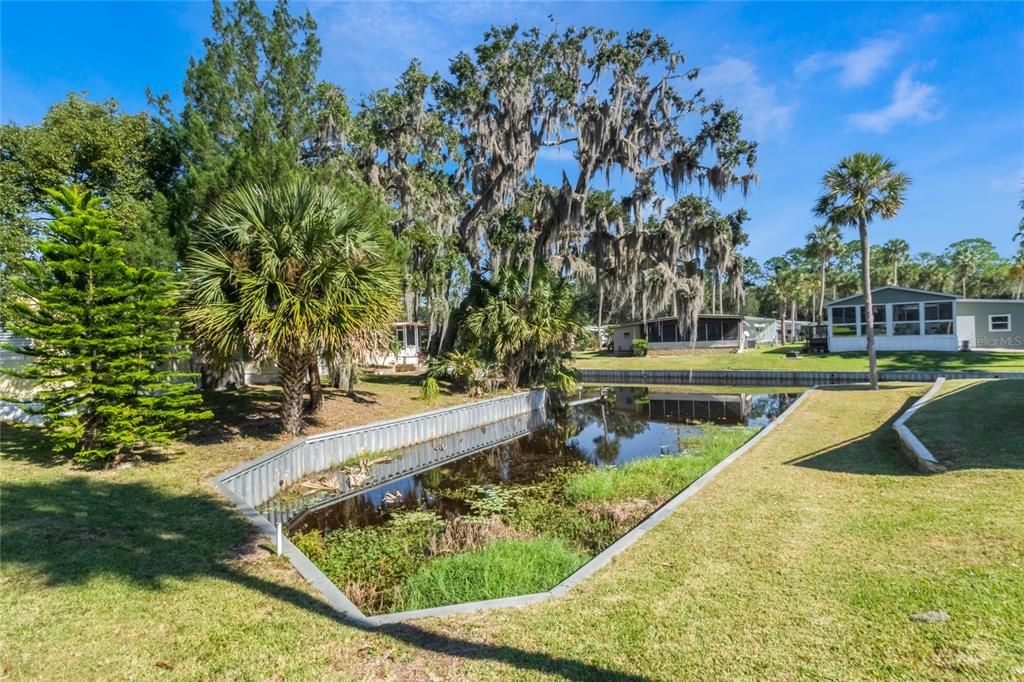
{"x":103,"y":338}
{"x":126,"y":160}
{"x":252,"y":103}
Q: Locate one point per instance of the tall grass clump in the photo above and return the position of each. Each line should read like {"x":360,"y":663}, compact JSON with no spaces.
{"x":660,"y":477}
{"x":371,"y":563}
{"x":501,"y":569}
{"x":430,"y":391}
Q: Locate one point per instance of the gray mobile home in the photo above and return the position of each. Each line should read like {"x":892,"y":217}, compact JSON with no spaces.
{"x":913,"y":319}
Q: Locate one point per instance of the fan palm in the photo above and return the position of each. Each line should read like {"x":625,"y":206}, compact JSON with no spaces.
{"x":526,"y":330}
{"x":896,"y":251}
{"x":824,"y":243}
{"x":286,"y":273}
{"x":859,"y":189}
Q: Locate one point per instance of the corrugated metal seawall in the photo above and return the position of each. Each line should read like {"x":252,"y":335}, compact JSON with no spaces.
{"x":414,"y":459}
{"x":259,"y":480}
{"x":770,"y":378}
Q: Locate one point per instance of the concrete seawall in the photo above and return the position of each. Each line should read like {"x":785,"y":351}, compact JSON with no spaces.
{"x":771,"y":377}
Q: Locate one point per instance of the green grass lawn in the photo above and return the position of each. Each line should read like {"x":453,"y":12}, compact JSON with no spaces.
{"x":974,"y":424}
{"x":804,"y":559}
{"x":775,"y":359}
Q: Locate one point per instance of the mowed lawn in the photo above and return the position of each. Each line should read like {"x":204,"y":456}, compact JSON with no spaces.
{"x":805,"y":559}
{"x":949,"y":424}
{"x":774,"y":358}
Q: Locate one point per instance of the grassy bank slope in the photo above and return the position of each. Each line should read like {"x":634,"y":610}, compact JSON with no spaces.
{"x":775,"y":359}
{"x":974,"y":424}
{"x":805,"y":558}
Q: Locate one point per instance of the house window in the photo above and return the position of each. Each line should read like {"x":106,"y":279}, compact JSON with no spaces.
{"x":400,"y":335}
{"x":879,"y":325}
{"x":999,"y":323}
{"x":906,"y":319}
{"x":844,"y":321}
{"x":709,"y":330}
{"x":670,"y":331}
{"x":938,"y":318}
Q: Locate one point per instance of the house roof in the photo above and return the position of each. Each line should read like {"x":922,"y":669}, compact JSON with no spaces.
{"x":891,"y":287}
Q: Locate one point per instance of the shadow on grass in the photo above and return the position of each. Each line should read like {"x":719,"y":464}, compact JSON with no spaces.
{"x":249,"y":412}
{"x":79,"y":528}
{"x":979,"y":425}
{"x":875,"y":453}
{"x":28,"y":443}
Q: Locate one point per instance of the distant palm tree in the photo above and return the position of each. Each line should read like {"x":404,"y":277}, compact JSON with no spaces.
{"x":824,"y":243}
{"x":965,"y":261}
{"x":1016,"y":272}
{"x":896,"y":251}
{"x":859,"y":189}
{"x":287,"y":273}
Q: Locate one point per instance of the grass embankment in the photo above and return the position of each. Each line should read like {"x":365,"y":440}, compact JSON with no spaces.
{"x":803,"y":560}
{"x":774,"y":358}
{"x":417,"y":559}
{"x":974,"y":424}
{"x":505,"y":568}
{"x":658,"y":478}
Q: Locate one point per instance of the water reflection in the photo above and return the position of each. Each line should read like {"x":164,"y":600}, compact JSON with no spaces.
{"x":610,"y":426}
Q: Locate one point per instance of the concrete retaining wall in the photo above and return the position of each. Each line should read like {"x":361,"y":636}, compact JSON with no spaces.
{"x":770,"y":377}
{"x":918,"y":452}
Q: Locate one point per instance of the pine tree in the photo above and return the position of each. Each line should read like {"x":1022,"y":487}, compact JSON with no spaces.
{"x":104,"y":344}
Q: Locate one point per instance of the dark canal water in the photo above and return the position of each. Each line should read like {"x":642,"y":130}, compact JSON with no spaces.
{"x":606,"y":427}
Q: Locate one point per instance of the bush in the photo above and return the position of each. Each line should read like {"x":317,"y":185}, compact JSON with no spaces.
{"x":660,"y":477}
{"x":430,"y":391}
{"x":640,"y":347}
{"x":370,"y":563}
{"x":501,"y":569}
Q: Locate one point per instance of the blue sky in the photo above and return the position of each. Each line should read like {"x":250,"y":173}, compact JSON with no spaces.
{"x":937,"y":87}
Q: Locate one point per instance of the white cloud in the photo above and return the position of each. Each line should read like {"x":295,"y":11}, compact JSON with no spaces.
{"x":857,"y":67}
{"x":912,"y":101}
{"x":738,"y":83}
{"x":367,"y":45}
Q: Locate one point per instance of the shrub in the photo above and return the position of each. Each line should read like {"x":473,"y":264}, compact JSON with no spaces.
{"x":659,"y":477}
{"x":501,"y":569}
{"x":430,"y":391}
{"x":370,"y":563}
{"x":640,"y":347}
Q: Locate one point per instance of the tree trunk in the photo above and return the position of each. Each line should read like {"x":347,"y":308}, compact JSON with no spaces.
{"x":821,"y":303}
{"x":895,"y":273}
{"x":793,"y":319}
{"x":869,"y":311}
{"x":714,"y":292}
{"x":782,"y":314}
{"x":316,"y":391}
{"x":293,"y":385}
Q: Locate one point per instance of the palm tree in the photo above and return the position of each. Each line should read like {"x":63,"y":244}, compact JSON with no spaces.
{"x":859,"y":189}
{"x":824,"y":243}
{"x":965,"y":261}
{"x":287,"y":273}
{"x":528,"y":331}
{"x":1016,"y":272}
{"x":896,"y":251}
